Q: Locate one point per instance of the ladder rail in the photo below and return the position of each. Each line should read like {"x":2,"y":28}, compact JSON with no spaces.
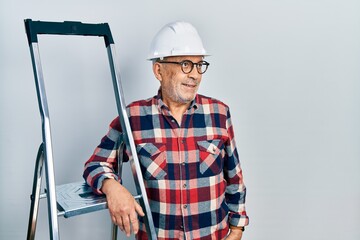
{"x":129,"y":141}
{"x":120,"y":158}
{"x":46,"y":139}
{"x":35,"y":195}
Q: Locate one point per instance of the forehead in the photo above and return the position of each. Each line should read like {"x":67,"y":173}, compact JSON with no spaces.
{"x":181,"y":58}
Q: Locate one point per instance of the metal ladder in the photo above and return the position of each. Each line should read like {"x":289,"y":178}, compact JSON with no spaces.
{"x":76,"y":198}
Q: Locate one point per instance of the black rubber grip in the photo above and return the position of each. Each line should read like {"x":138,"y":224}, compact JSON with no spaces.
{"x":33,"y":28}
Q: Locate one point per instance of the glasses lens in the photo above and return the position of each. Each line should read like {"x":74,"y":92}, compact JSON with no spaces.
{"x":187,"y":66}
{"x":202,"y":67}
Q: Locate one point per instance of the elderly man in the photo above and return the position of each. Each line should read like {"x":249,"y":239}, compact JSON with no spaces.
{"x":186,"y":147}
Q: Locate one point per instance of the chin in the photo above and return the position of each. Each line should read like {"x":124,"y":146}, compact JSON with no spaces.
{"x":186,"y":100}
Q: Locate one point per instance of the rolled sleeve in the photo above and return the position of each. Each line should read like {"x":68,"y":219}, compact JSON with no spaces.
{"x":235,"y":191}
{"x":103,"y":162}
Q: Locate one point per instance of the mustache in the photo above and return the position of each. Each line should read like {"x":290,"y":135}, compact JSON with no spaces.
{"x":191,"y":81}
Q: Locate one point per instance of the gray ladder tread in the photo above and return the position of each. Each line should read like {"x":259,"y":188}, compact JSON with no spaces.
{"x":78,"y":198}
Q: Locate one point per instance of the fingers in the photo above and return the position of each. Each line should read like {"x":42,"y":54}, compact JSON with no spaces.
{"x":134,"y":222}
{"x":139,"y":209}
{"x":130,"y":221}
{"x":126,"y":225}
{"x":118,"y":222}
{"x":124,"y":209}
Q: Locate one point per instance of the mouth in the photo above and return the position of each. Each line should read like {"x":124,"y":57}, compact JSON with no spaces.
{"x":189,"y":85}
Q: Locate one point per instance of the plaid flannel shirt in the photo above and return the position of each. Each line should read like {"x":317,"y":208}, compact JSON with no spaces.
{"x":191,"y":169}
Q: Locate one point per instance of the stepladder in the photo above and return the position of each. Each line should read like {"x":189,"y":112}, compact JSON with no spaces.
{"x":76,"y":198}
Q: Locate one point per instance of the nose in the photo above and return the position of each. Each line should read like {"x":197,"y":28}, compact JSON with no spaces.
{"x":194,"y":73}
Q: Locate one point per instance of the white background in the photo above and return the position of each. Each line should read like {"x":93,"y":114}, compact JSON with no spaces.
{"x":289,"y":70}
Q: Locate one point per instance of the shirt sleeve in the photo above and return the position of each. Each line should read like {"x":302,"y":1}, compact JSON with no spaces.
{"x":103,"y":162}
{"x":235,"y":191}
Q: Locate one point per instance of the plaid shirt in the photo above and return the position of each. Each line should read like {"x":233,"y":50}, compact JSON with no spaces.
{"x":191,"y":169}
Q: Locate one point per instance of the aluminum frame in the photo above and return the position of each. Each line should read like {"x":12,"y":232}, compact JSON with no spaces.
{"x":45,"y":152}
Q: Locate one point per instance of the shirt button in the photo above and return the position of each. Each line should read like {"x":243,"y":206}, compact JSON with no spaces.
{"x":183,"y":141}
{"x":185,"y":206}
{"x":184,"y":186}
{"x":183,"y":163}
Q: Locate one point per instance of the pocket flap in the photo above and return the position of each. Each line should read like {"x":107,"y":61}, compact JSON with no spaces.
{"x":153,"y":159}
{"x":150,"y":149}
{"x":210,"y":146}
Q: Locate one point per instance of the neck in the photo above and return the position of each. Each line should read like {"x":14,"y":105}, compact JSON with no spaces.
{"x":178,"y":109}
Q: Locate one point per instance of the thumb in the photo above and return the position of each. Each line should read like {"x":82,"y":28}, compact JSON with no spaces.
{"x":139,"y":209}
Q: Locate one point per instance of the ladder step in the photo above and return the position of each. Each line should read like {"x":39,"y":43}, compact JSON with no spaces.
{"x":137,"y":196}
{"x":77,"y":198}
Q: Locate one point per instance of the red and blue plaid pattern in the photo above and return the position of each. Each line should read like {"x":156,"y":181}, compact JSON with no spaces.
{"x":191,"y":169}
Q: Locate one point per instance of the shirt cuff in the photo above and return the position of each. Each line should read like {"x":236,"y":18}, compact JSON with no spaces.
{"x":97,"y":188}
{"x":238,"y":220}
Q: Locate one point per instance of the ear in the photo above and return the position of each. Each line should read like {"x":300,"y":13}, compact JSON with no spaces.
{"x":157,"y":71}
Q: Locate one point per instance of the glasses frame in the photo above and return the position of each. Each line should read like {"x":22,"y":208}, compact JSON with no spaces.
{"x":192,"y":65}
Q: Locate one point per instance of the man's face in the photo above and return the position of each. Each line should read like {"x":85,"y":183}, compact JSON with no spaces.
{"x":178,"y":87}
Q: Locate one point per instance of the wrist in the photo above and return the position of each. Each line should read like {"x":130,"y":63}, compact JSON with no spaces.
{"x":107,"y":185}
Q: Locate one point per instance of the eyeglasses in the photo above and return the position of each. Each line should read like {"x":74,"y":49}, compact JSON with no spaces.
{"x":187,"y":66}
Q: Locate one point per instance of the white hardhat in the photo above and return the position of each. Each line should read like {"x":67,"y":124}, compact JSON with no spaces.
{"x":176,"y":39}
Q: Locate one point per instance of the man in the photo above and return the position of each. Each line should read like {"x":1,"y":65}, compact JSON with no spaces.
{"x":186,"y":147}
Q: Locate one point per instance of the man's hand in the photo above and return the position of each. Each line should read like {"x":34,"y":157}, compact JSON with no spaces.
{"x":122,"y":206}
{"x":235,"y":234}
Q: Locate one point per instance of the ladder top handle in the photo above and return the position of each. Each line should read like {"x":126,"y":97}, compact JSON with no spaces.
{"x":33,"y":28}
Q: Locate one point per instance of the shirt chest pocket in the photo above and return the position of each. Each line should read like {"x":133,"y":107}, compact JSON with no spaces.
{"x":152,"y":157}
{"x":211,"y":157}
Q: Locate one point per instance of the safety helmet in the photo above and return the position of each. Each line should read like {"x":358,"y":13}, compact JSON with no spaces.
{"x":176,"y":39}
